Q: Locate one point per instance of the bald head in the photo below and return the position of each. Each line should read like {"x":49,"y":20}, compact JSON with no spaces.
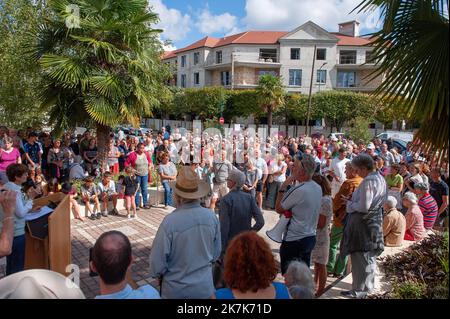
{"x":111,"y":257}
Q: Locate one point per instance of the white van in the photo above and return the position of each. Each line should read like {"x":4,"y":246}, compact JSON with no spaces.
{"x":404,"y":136}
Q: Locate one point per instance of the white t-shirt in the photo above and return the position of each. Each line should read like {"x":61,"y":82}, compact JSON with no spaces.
{"x":304,"y":201}
{"x":338,"y":167}
{"x":261,"y":165}
{"x":110,"y":188}
{"x":275,"y":168}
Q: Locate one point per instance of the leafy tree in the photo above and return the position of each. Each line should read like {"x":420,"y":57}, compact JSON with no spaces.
{"x":206,"y":102}
{"x":413,"y":51}
{"x":388,"y":111}
{"x":242,"y":104}
{"x":107,"y":68}
{"x":271,"y":95}
{"x":339,"y":107}
{"x":359,"y":130}
{"x":19,"y":77}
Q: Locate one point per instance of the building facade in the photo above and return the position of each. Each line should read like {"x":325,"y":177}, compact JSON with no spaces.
{"x":336,"y":60}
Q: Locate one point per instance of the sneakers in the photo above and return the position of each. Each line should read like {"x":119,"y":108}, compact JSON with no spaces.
{"x":147,"y":207}
{"x":105,"y":214}
{"x":92,"y":217}
{"x":114,"y":212}
{"x":99,"y":215}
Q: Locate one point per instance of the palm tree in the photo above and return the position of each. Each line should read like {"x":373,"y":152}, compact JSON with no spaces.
{"x":413,"y":51}
{"x":104,"y":68}
{"x":271,"y":95}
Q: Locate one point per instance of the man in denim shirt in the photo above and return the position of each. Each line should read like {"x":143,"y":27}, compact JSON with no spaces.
{"x":187,"y":243}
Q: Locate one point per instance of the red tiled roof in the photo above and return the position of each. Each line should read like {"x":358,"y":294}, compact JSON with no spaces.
{"x":348,"y":40}
{"x":169,"y":54}
{"x":209,"y":42}
{"x":258,"y":37}
{"x":252,"y":37}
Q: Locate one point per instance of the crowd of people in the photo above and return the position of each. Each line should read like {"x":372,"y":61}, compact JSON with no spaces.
{"x":338,"y":198}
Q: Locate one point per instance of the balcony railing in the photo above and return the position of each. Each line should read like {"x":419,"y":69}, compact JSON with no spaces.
{"x":244,"y":57}
{"x":347,"y":59}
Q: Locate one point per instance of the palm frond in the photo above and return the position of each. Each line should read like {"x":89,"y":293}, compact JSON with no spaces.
{"x":69,"y":72}
{"x":413,"y":51}
{"x":102,"y":111}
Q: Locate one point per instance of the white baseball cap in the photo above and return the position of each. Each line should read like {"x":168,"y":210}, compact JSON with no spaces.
{"x":371,"y":146}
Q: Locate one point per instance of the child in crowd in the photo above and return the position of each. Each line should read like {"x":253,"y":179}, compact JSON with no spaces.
{"x":51,"y":187}
{"x":75,"y":208}
{"x":131,"y":188}
{"x":120,"y":186}
{"x":89,"y":194}
{"x":107,"y":192}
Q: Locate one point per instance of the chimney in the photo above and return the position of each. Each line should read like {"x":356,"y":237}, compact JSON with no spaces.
{"x":350,"y":28}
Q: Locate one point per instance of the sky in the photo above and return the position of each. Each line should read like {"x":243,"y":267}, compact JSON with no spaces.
{"x":186,"y":21}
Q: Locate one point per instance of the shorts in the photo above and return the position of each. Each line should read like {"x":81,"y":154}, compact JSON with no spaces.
{"x":220,"y":190}
{"x":109,"y":195}
{"x":259,"y":186}
{"x":114,"y":169}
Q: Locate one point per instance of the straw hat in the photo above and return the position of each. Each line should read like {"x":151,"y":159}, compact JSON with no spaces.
{"x":188,"y":185}
{"x":38,"y":284}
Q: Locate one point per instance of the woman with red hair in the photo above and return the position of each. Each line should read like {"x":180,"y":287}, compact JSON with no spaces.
{"x":250,"y":270}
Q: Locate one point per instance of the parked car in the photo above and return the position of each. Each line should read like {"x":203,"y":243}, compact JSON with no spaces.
{"x":393,"y":142}
{"x":336,"y":135}
{"x":404,"y":136}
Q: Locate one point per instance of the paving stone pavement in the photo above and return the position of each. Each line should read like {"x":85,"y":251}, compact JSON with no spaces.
{"x":141,"y":233}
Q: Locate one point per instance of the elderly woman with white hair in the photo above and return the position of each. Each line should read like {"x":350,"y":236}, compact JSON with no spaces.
{"x":415,"y":230}
{"x":394,"y":224}
{"x":299,"y":280}
{"x":363,"y":234}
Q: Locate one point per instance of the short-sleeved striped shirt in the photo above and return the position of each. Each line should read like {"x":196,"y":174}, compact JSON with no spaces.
{"x":429,"y":209}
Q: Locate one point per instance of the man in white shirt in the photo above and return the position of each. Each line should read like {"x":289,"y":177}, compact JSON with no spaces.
{"x":337,"y":170}
{"x":387,"y":156}
{"x":261,"y":166}
{"x":302,"y":204}
{"x":363,"y":232}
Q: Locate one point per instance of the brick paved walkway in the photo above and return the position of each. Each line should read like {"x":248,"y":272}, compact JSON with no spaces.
{"x":140,"y":232}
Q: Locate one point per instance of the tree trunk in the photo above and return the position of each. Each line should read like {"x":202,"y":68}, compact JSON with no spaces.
{"x":103,"y":146}
{"x":286,"y":123}
{"x":269,"y":119}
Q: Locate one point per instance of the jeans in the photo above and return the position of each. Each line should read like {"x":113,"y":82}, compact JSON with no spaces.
{"x":336,"y":263}
{"x":296,"y":250}
{"x":167,"y":194}
{"x":272,"y":192}
{"x":143,"y":184}
{"x":16,"y":261}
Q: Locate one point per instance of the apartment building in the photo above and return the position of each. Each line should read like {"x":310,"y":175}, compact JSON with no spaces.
{"x":338,"y":60}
